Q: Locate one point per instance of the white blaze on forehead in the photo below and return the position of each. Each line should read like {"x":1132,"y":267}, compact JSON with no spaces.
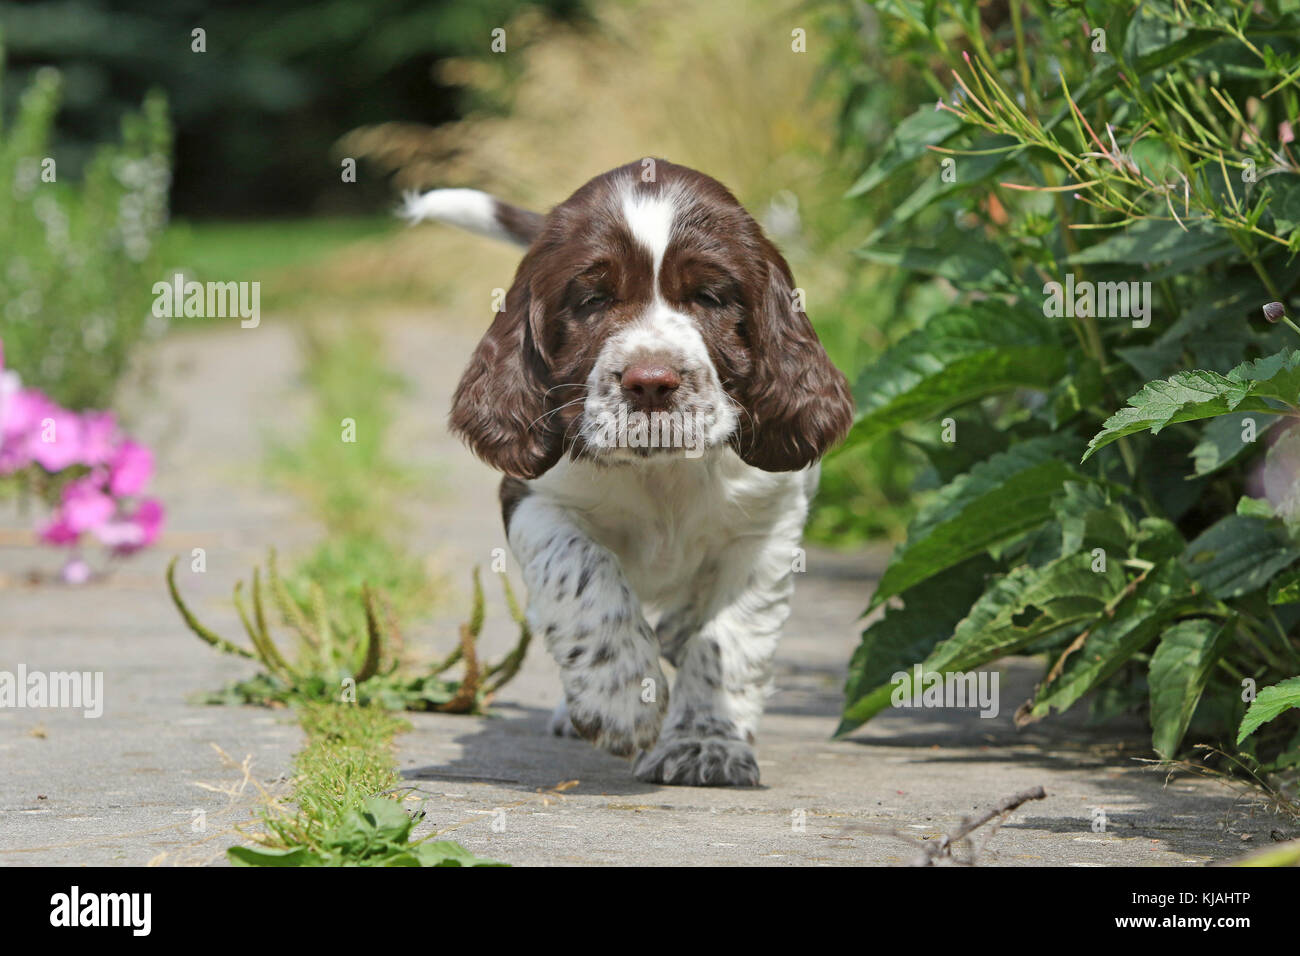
{"x":650,"y":219}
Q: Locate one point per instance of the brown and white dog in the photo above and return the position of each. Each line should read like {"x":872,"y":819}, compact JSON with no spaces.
{"x":658,"y":401}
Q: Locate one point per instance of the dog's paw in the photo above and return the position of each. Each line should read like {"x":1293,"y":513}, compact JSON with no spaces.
{"x":620,"y":714}
{"x":559,"y":724}
{"x":699,"y":762}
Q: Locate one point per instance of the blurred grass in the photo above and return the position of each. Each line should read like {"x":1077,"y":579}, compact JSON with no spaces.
{"x":261,"y":248}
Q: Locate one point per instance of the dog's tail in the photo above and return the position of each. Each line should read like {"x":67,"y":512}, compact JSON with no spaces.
{"x":475,"y":211}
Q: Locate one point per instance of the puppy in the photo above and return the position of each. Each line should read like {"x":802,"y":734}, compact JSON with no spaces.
{"x":658,"y":402}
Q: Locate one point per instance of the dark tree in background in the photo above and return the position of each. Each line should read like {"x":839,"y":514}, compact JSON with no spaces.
{"x":257,"y":113}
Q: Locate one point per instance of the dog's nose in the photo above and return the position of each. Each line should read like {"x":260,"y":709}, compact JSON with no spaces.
{"x":649,"y":386}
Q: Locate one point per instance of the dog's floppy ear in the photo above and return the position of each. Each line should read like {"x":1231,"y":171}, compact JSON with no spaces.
{"x":798,"y":402}
{"x":501,"y":403}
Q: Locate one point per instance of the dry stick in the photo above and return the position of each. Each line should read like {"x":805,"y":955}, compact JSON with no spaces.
{"x":931,"y":850}
{"x":943,"y":846}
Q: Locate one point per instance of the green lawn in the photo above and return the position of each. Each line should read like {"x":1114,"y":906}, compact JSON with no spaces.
{"x":256,"y":250}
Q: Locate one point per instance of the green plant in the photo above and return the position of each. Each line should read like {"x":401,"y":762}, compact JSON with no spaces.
{"x":1110,"y":197}
{"x":363,"y":665}
{"x":80,"y":259}
{"x":377,"y":834}
{"x":341,"y":815}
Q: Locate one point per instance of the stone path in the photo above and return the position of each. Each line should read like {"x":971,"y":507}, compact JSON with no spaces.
{"x":127,"y":788}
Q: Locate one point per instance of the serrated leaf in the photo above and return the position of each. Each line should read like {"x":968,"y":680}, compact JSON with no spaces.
{"x":1134,"y":623}
{"x":1085,"y":515}
{"x":1155,"y":240}
{"x":1188,"y":396}
{"x":1239,"y":554}
{"x":969,"y":264}
{"x":910,"y":141}
{"x":999,"y":499}
{"x":1285,"y":588}
{"x":958,"y":357}
{"x":1179,"y":669}
{"x":906,"y":635}
{"x":1271,"y":703}
{"x":989,"y":156}
{"x":1025,"y":605}
{"x":1223,"y":440}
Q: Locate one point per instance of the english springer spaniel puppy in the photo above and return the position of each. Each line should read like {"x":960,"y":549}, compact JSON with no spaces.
{"x":658,"y":402}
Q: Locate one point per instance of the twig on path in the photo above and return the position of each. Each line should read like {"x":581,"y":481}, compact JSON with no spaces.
{"x":932,"y":850}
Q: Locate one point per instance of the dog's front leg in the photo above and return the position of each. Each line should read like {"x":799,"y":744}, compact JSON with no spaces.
{"x":722,"y":644}
{"x":582,"y":606}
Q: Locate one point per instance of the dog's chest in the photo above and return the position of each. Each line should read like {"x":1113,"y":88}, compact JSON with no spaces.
{"x":670,"y":523}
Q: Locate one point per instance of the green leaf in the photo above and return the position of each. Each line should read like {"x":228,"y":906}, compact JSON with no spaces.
{"x":1248,"y":507}
{"x":1239,"y":554}
{"x":1086,"y":515}
{"x":990,"y":155}
{"x":1188,"y":396}
{"x":970,"y":264}
{"x":910,"y":141}
{"x":1285,"y":204}
{"x":1025,"y":605}
{"x":956,"y":358}
{"x":1177,"y":675}
{"x":1223,"y":440}
{"x":257,"y":856}
{"x":1133,"y":623}
{"x":903,"y":636}
{"x":999,"y":499}
{"x":1155,"y":240}
{"x":1285,"y":588}
{"x":447,"y":853}
{"x":1271,"y":702}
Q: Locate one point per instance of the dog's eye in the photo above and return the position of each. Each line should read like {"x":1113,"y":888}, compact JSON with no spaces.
{"x":708,"y":298}
{"x":591,"y":301}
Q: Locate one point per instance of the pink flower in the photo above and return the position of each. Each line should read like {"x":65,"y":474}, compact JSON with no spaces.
{"x":134,"y":532}
{"x":84,"y":508}
{"x":56,"y":440}
{"x":130,"y":469}
{"x":98,"y":438}
{"x":76,"y":571}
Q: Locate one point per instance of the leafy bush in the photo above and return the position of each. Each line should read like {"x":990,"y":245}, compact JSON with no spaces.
{"x":1110,"y":197}
{"x":80,"y":259}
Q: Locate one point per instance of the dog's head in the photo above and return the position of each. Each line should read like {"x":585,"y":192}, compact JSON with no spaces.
{"x":651,"y":317}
